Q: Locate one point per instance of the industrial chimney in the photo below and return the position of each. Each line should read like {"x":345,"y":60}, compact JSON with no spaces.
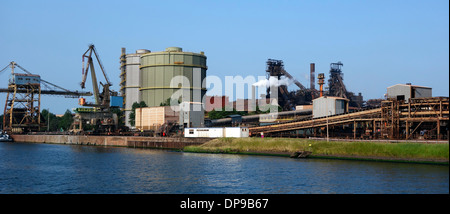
{"x":312,"y":68}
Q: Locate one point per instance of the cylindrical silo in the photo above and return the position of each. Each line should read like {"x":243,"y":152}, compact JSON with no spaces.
{"x":130,"y":80}
{"x":158,"y":69}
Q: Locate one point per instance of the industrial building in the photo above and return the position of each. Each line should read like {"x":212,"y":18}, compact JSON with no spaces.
{"x":327,"y":106}
{"x":192,"y":114}
{"x":407,"y":91}
{"x":187,"y":114}
{"x":149,"y":118}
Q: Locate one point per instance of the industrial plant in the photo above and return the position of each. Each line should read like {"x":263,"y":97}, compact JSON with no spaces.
{"x":162,"y":94}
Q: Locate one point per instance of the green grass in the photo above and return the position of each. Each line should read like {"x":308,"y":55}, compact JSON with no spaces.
{"x":362,"y":150}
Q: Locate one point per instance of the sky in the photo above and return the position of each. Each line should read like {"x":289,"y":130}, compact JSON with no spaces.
{"x":380,"y":42}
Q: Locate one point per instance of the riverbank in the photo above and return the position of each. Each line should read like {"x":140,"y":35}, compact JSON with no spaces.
{"x":375,"y":151}
{"x":116,"y":141}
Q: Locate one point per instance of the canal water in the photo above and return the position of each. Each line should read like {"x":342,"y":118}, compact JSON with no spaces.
{"x":72,"y":169}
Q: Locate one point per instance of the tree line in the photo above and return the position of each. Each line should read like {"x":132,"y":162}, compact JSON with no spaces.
{"x":55,"y":123}
{"x":52,"y":122}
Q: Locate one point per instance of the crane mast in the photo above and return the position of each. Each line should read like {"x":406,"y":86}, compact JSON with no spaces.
{"x":101,"y":118}
{"x":102,"y":100}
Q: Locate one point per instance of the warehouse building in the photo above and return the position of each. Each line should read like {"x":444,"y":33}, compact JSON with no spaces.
{"x":407,"y":91}
{"x":327,"y":106}
{"x":150,"y":117}
{"x":192,"y":114}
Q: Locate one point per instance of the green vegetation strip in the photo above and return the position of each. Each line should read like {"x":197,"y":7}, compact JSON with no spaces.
{"x":409,"y":151}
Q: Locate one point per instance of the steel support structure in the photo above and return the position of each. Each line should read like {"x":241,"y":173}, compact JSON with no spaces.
{"x":419,"y":118}
{"x":22,"y":108}
{"x":336,"y":81}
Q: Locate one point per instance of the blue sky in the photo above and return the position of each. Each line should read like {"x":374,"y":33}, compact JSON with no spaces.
{"x":381,"y":43}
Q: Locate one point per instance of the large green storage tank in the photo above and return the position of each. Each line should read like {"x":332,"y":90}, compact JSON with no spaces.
{"x":158,"y":68}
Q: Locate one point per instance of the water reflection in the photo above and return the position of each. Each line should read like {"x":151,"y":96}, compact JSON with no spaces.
{"x":46,"y":168}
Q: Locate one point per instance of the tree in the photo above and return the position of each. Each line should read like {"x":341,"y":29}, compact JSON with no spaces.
{"x":66,"y":120}
{"x":168,"y":101}
{"x":50,"y":120}
{"x":222,"y":113}
{"x":133,"y":111}
{"x":55,"y":123}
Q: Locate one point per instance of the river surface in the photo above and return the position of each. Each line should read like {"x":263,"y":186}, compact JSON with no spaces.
{"x":27,"y":168}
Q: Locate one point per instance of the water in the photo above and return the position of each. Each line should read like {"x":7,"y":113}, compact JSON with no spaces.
{"x":71,"y":169}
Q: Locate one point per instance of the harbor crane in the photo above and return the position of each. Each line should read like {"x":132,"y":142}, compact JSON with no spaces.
{"x":23,"y":99}
{"x":102,"y":100}
{"x":99,"y":118}
{"x":48,"y":89}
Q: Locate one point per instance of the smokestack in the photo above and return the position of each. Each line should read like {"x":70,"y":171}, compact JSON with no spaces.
{"x":312,"y":68}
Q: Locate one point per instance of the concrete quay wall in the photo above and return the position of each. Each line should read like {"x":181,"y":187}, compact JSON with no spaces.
{"x":122,"y":141}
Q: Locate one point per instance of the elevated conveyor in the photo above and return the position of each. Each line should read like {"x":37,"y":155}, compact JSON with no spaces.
{"x":416,"y":118}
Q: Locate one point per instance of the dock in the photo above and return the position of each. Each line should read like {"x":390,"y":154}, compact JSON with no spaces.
{"x":114,"y":141}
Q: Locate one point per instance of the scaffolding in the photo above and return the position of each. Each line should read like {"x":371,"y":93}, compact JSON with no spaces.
{"x":23,"y":100}
{"x":22,"y":107}
{"x":418,"y":119}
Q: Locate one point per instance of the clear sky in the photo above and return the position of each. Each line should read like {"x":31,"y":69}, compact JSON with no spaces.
{"x":380,"y":42}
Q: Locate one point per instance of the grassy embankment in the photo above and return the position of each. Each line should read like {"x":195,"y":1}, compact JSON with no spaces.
{"x":403,"y":152}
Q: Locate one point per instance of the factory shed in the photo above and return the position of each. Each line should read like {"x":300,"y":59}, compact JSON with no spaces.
{"x":327,"y":106}
{"x":150,"y":117}
{"x":407,"y":91}
{"x":192,"y":114}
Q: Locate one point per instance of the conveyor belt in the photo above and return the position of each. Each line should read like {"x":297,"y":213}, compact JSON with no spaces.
{"x":319,"y":122}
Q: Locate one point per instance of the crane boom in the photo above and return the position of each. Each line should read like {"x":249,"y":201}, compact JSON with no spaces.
{"x":101,"y":66}
{"x":52,"y":89}
{"x":101,"y":99}
{"x":90,"y":65}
